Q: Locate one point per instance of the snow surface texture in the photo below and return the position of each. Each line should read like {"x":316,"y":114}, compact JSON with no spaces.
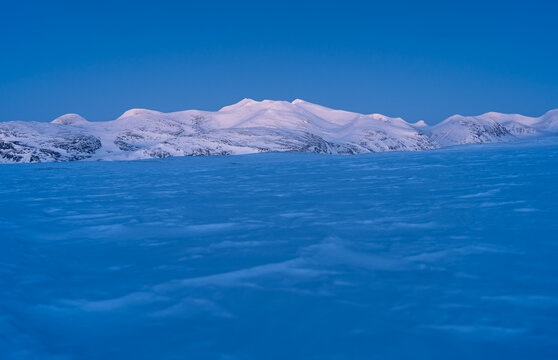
{"x":445,"y":254}
{"x":251,"y":127}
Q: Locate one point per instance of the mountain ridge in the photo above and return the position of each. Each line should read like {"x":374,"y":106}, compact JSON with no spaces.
{"x":251,"y":126}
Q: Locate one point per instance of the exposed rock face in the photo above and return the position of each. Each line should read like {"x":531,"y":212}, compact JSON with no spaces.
{"x":250,"y":127}
{"x":16,"y":145}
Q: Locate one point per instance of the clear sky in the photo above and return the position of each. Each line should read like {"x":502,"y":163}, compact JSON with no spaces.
{"x":414,"y":59}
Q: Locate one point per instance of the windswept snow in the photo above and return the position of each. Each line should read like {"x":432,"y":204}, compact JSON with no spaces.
{"x":251,"y":126}
{"x":447,"y":254}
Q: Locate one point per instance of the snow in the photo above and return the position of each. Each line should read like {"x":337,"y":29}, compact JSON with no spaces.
{"x":70,"y":119}
{"x":251,"y":126}
{"x":441,"y":254}
{"x":517,"y":118}
{"x":549,"y":121}
{"x":420,"y":124}
{"x":459,"y":129}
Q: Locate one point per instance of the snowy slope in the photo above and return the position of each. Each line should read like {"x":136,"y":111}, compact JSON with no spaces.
{"x":249,"y":127}
{"x":548,"y":121}
{"x":492,"y":127}
{"x":424,"y":256}
{"x":459,"y":129}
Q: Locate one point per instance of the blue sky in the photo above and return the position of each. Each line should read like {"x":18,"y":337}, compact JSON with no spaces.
{"x":414,"y":59}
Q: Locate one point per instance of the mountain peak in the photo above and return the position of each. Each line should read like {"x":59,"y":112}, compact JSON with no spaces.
{"x":549,"y":120}
{"x":420,"y":123}
{"x":241,"y":103}
{"x":259,"y":105}
{"x":136,"y":112}
{"x":551,"y":113}
{"x":70,"y":119}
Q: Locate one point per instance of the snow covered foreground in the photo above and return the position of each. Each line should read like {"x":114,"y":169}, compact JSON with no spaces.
{"x":251,"y":127}
{"x":446,"y":254}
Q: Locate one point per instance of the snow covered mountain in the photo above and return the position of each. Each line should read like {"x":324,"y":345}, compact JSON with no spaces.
{"x":248,"y":127}
{"x":459,"y":129}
